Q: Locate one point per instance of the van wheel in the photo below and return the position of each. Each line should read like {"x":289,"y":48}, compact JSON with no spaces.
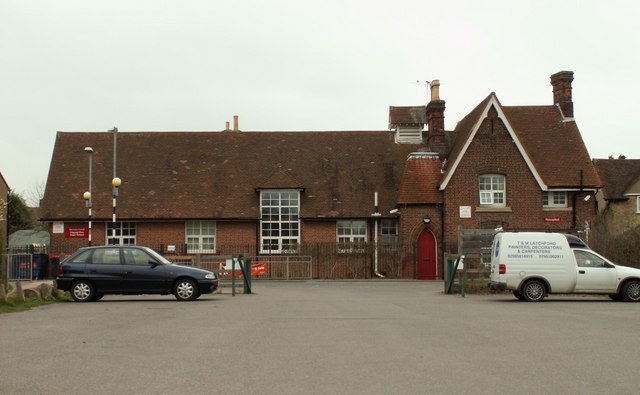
{"x":533,"y":291}
{"x":517,"y":294}
{"x":631,"y":291}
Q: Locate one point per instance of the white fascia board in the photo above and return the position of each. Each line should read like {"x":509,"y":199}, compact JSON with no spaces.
{"x":493,"y":102}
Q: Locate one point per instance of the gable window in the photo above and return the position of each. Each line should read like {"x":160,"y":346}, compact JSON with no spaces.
{"x":352,"y":235}
{"x":201,"y":237}
{"x":280,"y":224}
{"x":125,"y":233}
{"x":389,"y":231}
{"x":554,"y":199}
{"x":492,"y":190}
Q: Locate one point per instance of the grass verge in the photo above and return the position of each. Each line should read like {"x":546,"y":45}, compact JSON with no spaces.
{"x":13,"y":305}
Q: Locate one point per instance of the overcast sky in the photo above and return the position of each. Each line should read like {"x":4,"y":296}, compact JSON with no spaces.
{"x":190,"y":65}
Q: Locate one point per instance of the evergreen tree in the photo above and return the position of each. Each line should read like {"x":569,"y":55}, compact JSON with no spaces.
{"x":18,"y":213}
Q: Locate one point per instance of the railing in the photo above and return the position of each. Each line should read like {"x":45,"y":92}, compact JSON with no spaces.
{"x":314,"y":260}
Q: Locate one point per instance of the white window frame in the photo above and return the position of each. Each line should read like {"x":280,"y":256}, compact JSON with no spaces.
{"x":492,"y":195}
{"x":279,"y":221}
{"x":552,"y":199}
{"x":200,"y":237}
{"x":350,"y":234}
{"x":125,"y":233}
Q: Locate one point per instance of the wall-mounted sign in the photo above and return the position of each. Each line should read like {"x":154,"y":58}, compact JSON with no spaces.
{"x":552,"y":219}
{"x":58,"y":227}
{"x":465,"y":211}
{"x":76,"y":233}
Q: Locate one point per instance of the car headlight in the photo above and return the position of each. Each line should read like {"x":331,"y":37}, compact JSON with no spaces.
{"x":210,"y":276}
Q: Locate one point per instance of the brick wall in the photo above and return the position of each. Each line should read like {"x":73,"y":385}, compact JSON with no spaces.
{"x":492,"y":151}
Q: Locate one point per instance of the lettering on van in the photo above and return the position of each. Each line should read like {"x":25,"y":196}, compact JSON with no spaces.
{"x":534,"y":249}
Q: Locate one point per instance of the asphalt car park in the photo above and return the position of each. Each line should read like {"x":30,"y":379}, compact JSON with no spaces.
{"x":365,"y":337}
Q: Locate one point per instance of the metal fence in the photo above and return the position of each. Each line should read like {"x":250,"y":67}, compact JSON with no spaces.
{"x":314,"y":260}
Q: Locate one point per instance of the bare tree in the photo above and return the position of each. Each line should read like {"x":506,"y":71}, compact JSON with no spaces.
{"x":35,"y":194}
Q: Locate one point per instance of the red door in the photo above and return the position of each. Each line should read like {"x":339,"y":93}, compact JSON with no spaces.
{"x":426,"y":267}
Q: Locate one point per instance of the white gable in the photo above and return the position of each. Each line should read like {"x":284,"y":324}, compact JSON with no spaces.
{"x":493,"y":102}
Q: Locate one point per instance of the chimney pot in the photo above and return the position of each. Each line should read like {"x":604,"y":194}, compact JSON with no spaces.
{"x":435,"y":90}
{"x":235,"y":123}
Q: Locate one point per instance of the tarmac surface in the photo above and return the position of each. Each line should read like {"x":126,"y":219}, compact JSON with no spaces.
{"x":315,"y":337}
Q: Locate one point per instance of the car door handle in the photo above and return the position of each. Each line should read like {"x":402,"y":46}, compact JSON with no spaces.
{"x":581,"y":271}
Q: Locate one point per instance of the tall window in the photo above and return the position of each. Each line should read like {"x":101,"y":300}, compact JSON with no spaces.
{"x":280,"y":224}
{"x":201,"y":237}
{"x":554,"y":199}
{"x":492,"y":190}
{"x":125,"y":233}
{"x":389,"y":231}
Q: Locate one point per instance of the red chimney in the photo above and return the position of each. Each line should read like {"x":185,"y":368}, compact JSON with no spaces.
{"x":435,"y":116}
{"x":561,"y":83}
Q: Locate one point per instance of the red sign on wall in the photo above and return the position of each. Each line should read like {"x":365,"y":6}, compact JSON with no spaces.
{"x":552,"y":219}
{"x":76,"y":233}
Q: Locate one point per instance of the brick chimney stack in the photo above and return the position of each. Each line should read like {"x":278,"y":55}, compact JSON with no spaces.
{"x":435,"y":117}
{"x":561,"y":83}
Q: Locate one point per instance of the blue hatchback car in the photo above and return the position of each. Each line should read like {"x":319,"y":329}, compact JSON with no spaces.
{"x":93,"y":272}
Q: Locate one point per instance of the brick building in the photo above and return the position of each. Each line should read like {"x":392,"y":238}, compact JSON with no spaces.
{"x":274,"y":193}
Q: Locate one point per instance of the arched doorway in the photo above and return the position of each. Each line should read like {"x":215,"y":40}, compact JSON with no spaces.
{"x":427,"y":262}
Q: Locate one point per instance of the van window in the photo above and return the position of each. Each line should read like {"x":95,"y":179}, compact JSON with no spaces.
{"x":587,"y":259}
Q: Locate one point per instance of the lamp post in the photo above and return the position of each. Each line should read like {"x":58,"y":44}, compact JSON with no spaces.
{"x":87,"y":195}
{"x":116,"y":183}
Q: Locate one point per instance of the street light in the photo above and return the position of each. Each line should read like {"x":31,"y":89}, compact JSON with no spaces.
{"x":116,"y":182}
{"x":87,"y":195}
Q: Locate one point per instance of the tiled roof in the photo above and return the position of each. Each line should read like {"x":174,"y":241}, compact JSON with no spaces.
{"x":420,"y":180}
{"x":191,"y":175}
{"x":555,"y":147}
{"x":414,"y":115}
{"x":4,"y":182}
{"x":617,"y":175}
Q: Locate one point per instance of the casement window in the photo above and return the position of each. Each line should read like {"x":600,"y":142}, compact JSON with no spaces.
{"x":492,"y":190}
{"x":554,"y":199}
{"x":125,"y":233}
{"x":280,"y":224}
{"x":352,"y":235}
{"x":201,"y":237}
{"x":389,"y":231}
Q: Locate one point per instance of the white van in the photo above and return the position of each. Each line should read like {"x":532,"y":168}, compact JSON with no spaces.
{"x":534,"y":264}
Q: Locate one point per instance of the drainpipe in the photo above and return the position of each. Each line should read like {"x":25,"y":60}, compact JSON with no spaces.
{"x":376,"y":214}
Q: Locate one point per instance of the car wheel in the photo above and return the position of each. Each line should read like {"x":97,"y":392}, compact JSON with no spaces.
{"x":98,"y":297}
{"x":185,"y":289}
{"x":615,"y":297}
{"x":631,"y":291}
{"x":83,"y":291}
{"x":517,"y":294}
{"x":533,"y":291}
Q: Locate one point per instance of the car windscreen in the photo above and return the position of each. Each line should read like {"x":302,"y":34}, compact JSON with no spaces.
{"x":157,"y":256}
